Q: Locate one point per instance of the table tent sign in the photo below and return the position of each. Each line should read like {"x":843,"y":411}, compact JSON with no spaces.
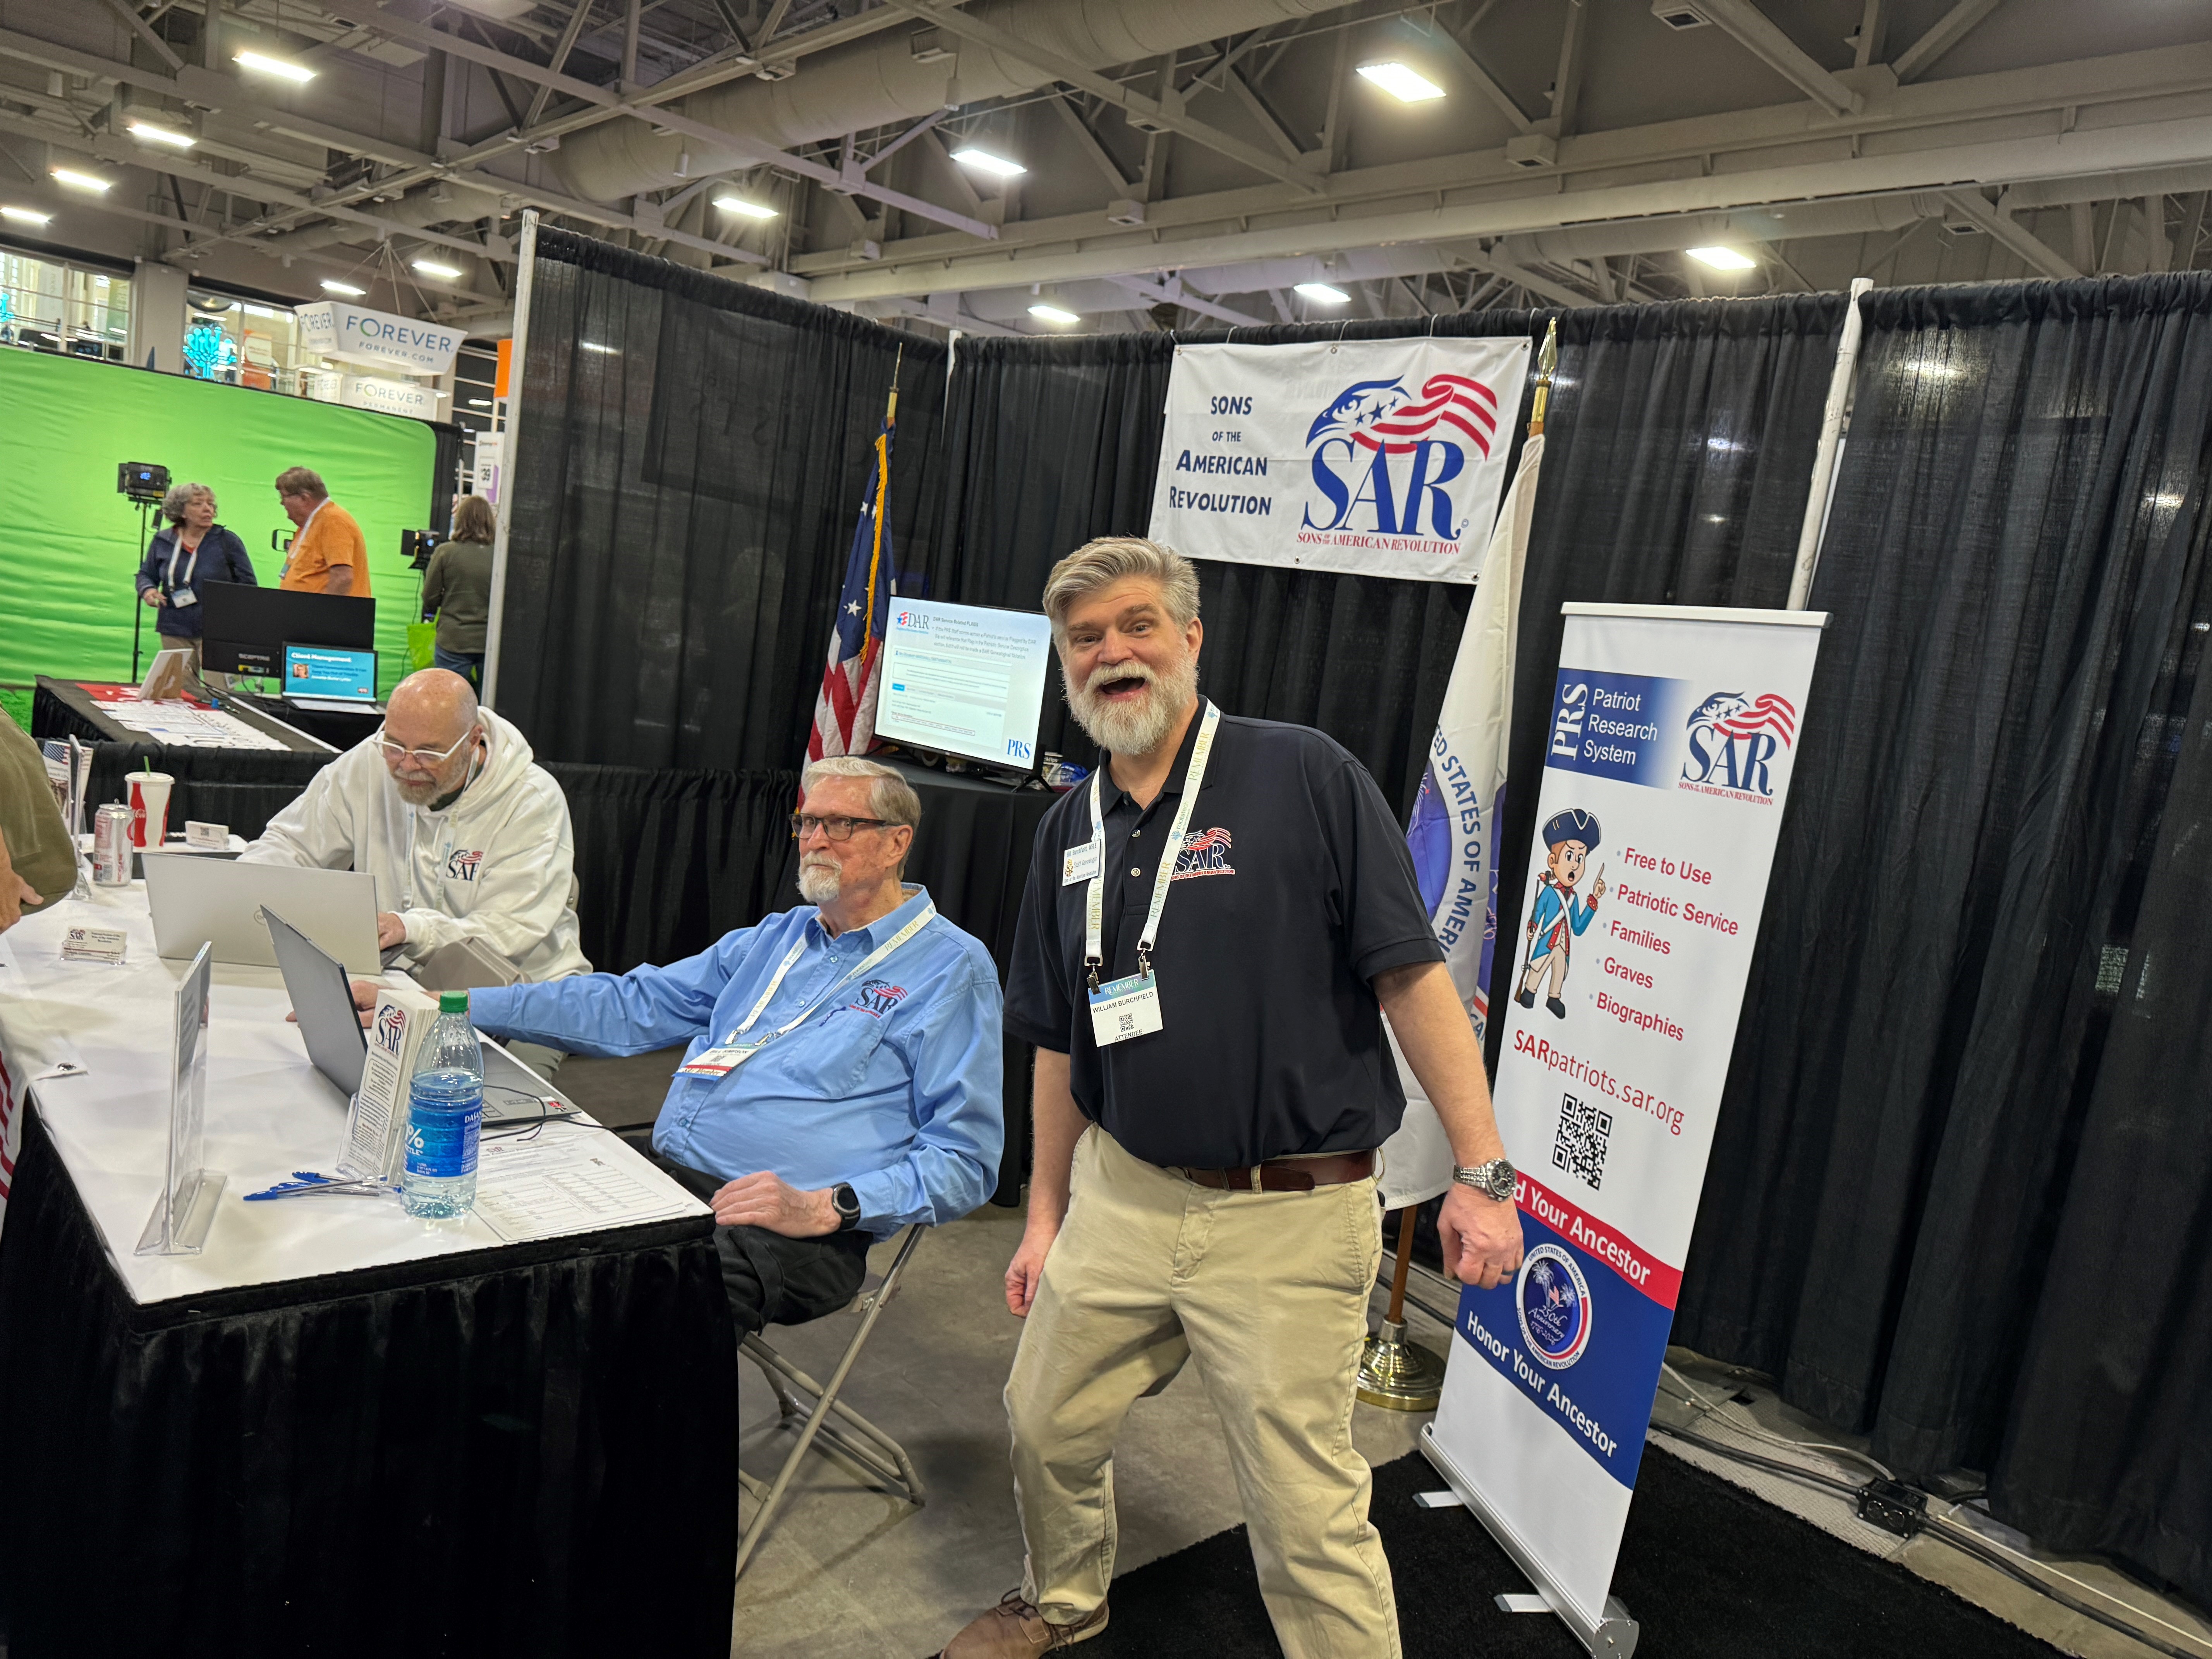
{"x":355,"y":334}
{"x":1375,"y":457}
{"x":184,"y":1208}
{"x":1673,"y":735}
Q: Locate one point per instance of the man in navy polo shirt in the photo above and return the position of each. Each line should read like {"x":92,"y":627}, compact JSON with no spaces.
{"x":1212,"y":932}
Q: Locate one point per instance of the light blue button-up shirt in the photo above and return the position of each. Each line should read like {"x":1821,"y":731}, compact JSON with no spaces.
{"x":893,"y":1085}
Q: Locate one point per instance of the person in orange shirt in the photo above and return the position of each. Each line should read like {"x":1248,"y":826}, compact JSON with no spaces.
{"x":328,"y":555}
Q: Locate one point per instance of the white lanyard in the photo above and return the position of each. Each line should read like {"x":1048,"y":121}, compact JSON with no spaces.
{"x":1095,"y":900}
{"x":190,"y":570}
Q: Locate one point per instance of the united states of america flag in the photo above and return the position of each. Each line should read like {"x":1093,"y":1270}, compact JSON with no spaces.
{"x":845,"y":712}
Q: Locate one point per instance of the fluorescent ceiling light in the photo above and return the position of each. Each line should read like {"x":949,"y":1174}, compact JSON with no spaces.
{"x":169,"y":136}
{"x":432,"y":268}
{"x":983,"y":161}
{"x":268,"y":65}
{"x":1323,"y":293}
{"x":1053,"y":314}
{"x":331,"y":285}
{"x":594,"y":345}
{"x":738,"y":204}
{"x":479,"y":403}
{"x":1401,"y":83}
{"x":77,"y":180}
{"x":1722,"y":259}
{"x":25,"y":216}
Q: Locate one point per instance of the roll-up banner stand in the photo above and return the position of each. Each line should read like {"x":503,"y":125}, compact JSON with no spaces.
{"x":1673,"y":733}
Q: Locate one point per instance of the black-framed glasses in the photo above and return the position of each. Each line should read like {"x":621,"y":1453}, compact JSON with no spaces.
{"x":837,"y":828}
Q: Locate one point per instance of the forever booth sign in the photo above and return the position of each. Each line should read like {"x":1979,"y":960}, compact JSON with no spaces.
{"x":1374,"y":458}
{"x":356,"y":334}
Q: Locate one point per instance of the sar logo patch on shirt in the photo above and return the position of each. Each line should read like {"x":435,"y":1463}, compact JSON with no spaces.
{"x":877,"y":997}
{"x":1205,"y":852}
{"x":462,"y":866}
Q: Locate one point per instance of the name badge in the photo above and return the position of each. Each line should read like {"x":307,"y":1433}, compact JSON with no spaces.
{"x":1125,"y":1008}
{"x":1079,"y":863}
{"x":720,"y":1062}
{"x":183,"y":597}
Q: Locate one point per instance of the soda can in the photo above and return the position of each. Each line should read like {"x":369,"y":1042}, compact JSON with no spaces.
{"x":110,"y":846}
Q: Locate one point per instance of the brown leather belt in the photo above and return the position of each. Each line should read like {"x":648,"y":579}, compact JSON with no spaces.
{"x":1287,"y":1175}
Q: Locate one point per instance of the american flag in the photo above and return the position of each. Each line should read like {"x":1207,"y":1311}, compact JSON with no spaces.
{"x":844,"y":712}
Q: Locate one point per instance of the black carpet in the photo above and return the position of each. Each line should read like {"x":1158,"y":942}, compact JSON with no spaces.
{"x":1707,"y":1568}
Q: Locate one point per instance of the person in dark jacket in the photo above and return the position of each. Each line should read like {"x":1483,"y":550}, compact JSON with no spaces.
{"x":457,"y":590}
{"x":192,"y":548}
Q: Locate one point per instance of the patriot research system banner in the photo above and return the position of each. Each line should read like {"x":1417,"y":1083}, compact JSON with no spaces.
{"x":1375,"y":458}
{"x":1673,"y":733}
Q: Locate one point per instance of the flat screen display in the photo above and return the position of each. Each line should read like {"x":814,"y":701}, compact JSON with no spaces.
{"x":964,"y":679}
{"x":323,"y":671}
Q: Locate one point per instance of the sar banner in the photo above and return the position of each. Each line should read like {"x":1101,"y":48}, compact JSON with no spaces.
{"x":1673,"y":734}
{"x":1376,"y":458}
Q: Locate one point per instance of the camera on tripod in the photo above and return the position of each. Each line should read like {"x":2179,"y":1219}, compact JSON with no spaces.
{"x":143,"y":482}
{"x":416,"y":546}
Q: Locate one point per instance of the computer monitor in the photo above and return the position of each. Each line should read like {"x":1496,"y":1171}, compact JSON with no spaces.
{"x":330,"y":672}
{"x":964,"y":679}
{"x":245,"y":629}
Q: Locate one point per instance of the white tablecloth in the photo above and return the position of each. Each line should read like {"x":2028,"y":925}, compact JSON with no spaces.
{"x":269,"y":1113}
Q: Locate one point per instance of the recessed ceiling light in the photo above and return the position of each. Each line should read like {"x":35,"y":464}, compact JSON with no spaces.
{"x":331,"y":285}
{"x":594,"y":345}
{"x":1401,"y":83}
{"x":169,"y":136}
{"x":25,"y":216}
{"x":1053,"y":314}
{"x":432,"y":268}
{"x":268,"y":65}
{"x":983,"y":161}
{"x":1722,"y":259}
{"x":77,"y":180}
{"x":738,"y":204}
{"x":1323,"y":293}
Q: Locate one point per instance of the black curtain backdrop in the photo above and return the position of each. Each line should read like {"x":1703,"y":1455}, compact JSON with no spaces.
{"x":1981,"y":976}
{"x":693,"y":454}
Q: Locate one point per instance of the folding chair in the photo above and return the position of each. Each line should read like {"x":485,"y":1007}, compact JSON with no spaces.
{"x":850,"y":1436}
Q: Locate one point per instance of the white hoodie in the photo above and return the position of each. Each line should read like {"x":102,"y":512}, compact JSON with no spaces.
{"x":495,"y":865}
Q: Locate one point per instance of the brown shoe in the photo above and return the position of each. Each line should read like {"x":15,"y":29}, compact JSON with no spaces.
{"x":1015,"y":1630}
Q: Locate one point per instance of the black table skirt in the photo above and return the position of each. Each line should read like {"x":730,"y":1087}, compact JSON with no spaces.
{"x":536,"y":1456}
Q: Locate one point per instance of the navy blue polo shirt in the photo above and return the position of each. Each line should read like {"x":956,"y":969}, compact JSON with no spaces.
{"x":1293,"y":889}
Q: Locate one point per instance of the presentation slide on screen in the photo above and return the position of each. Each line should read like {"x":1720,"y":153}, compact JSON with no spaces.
{"x":316,"y":672}
{"x":964,"y":679}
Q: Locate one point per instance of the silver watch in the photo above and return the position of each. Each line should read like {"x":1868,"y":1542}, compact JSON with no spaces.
{"x":1495,"y":1179}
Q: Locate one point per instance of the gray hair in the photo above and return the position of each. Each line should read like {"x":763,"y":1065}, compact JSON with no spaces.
{"x":890,"y":797}
{"x":180,"y":496}
{"x":1108,"y":560}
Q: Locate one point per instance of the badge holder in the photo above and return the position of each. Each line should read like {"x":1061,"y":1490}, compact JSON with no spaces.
{"x":186,"y":1209}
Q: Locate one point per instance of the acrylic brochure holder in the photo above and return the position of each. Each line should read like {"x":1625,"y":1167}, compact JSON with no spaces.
{"x":186,"y":1209}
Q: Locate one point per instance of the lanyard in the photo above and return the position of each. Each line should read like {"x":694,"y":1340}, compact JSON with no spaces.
{"x":190,"y":570}
{"x":1095,"y":900}
{"x":798,"y":949}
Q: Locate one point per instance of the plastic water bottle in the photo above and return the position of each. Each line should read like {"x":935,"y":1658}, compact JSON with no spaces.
{"x":445,"y":1115}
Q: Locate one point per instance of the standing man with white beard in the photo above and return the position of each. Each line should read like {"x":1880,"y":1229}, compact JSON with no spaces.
{"x":1212,"y":932}
{"x":843,"y":1073}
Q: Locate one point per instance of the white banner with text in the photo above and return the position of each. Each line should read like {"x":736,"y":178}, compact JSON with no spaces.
{"x":1375,"y":458}
{"x":1673,"y":733}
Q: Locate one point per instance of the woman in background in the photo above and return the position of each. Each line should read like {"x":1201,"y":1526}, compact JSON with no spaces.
{"x":457,"y":590}
{"x":192,"y":548}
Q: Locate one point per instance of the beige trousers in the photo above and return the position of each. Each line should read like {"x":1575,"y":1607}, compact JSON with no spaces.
{"x":1268,"y":1292}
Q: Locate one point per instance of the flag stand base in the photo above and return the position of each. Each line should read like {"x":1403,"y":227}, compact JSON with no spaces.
{"x":1397,"y":1374}
{"x":1612,"y":1637}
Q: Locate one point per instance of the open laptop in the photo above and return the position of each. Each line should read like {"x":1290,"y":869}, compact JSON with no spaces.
{"x":330,"y":679}
{"x":322,"y":996}
{"x":198,"y":900}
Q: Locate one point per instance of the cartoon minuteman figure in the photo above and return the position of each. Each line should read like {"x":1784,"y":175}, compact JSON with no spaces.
{"x":1558,"y":912}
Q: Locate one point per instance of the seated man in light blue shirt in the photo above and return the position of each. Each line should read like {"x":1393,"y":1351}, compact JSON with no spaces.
{"x":843,"y":1073}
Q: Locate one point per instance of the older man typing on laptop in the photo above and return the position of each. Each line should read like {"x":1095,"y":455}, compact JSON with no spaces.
{"x":843,"y":1073}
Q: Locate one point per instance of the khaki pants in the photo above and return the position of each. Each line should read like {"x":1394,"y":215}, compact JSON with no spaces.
{"x":1268,"y":1292}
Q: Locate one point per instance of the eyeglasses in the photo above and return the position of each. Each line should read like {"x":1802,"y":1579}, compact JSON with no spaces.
{"x":837,"y":828}
{"x":422,"y":757}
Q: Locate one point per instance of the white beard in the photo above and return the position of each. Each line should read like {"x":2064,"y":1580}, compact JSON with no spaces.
{"x":1139,"y":727}
{"x":819,"y":884}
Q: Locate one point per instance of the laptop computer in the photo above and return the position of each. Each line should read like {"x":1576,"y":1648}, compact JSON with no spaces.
{"x":322,"y":996}
{"x":198,"y":900}
{"x":328,"y":679}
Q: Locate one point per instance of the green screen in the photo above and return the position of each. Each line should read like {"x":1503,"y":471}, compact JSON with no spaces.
{"x":67,"y":595}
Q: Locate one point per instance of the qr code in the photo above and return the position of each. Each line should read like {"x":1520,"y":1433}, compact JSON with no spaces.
{"x":1579,"y":1147}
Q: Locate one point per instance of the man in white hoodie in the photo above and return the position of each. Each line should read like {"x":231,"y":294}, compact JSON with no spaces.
{"x":467,"y":837}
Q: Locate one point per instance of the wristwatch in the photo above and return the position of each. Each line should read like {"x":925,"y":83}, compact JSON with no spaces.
{"x":1495,"y":1179}
{"x":846,"y":1203}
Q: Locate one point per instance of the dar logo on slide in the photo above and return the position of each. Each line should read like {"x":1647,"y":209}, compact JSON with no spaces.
{"x":1554,"y":1306}
{"x":1383,"y":457}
